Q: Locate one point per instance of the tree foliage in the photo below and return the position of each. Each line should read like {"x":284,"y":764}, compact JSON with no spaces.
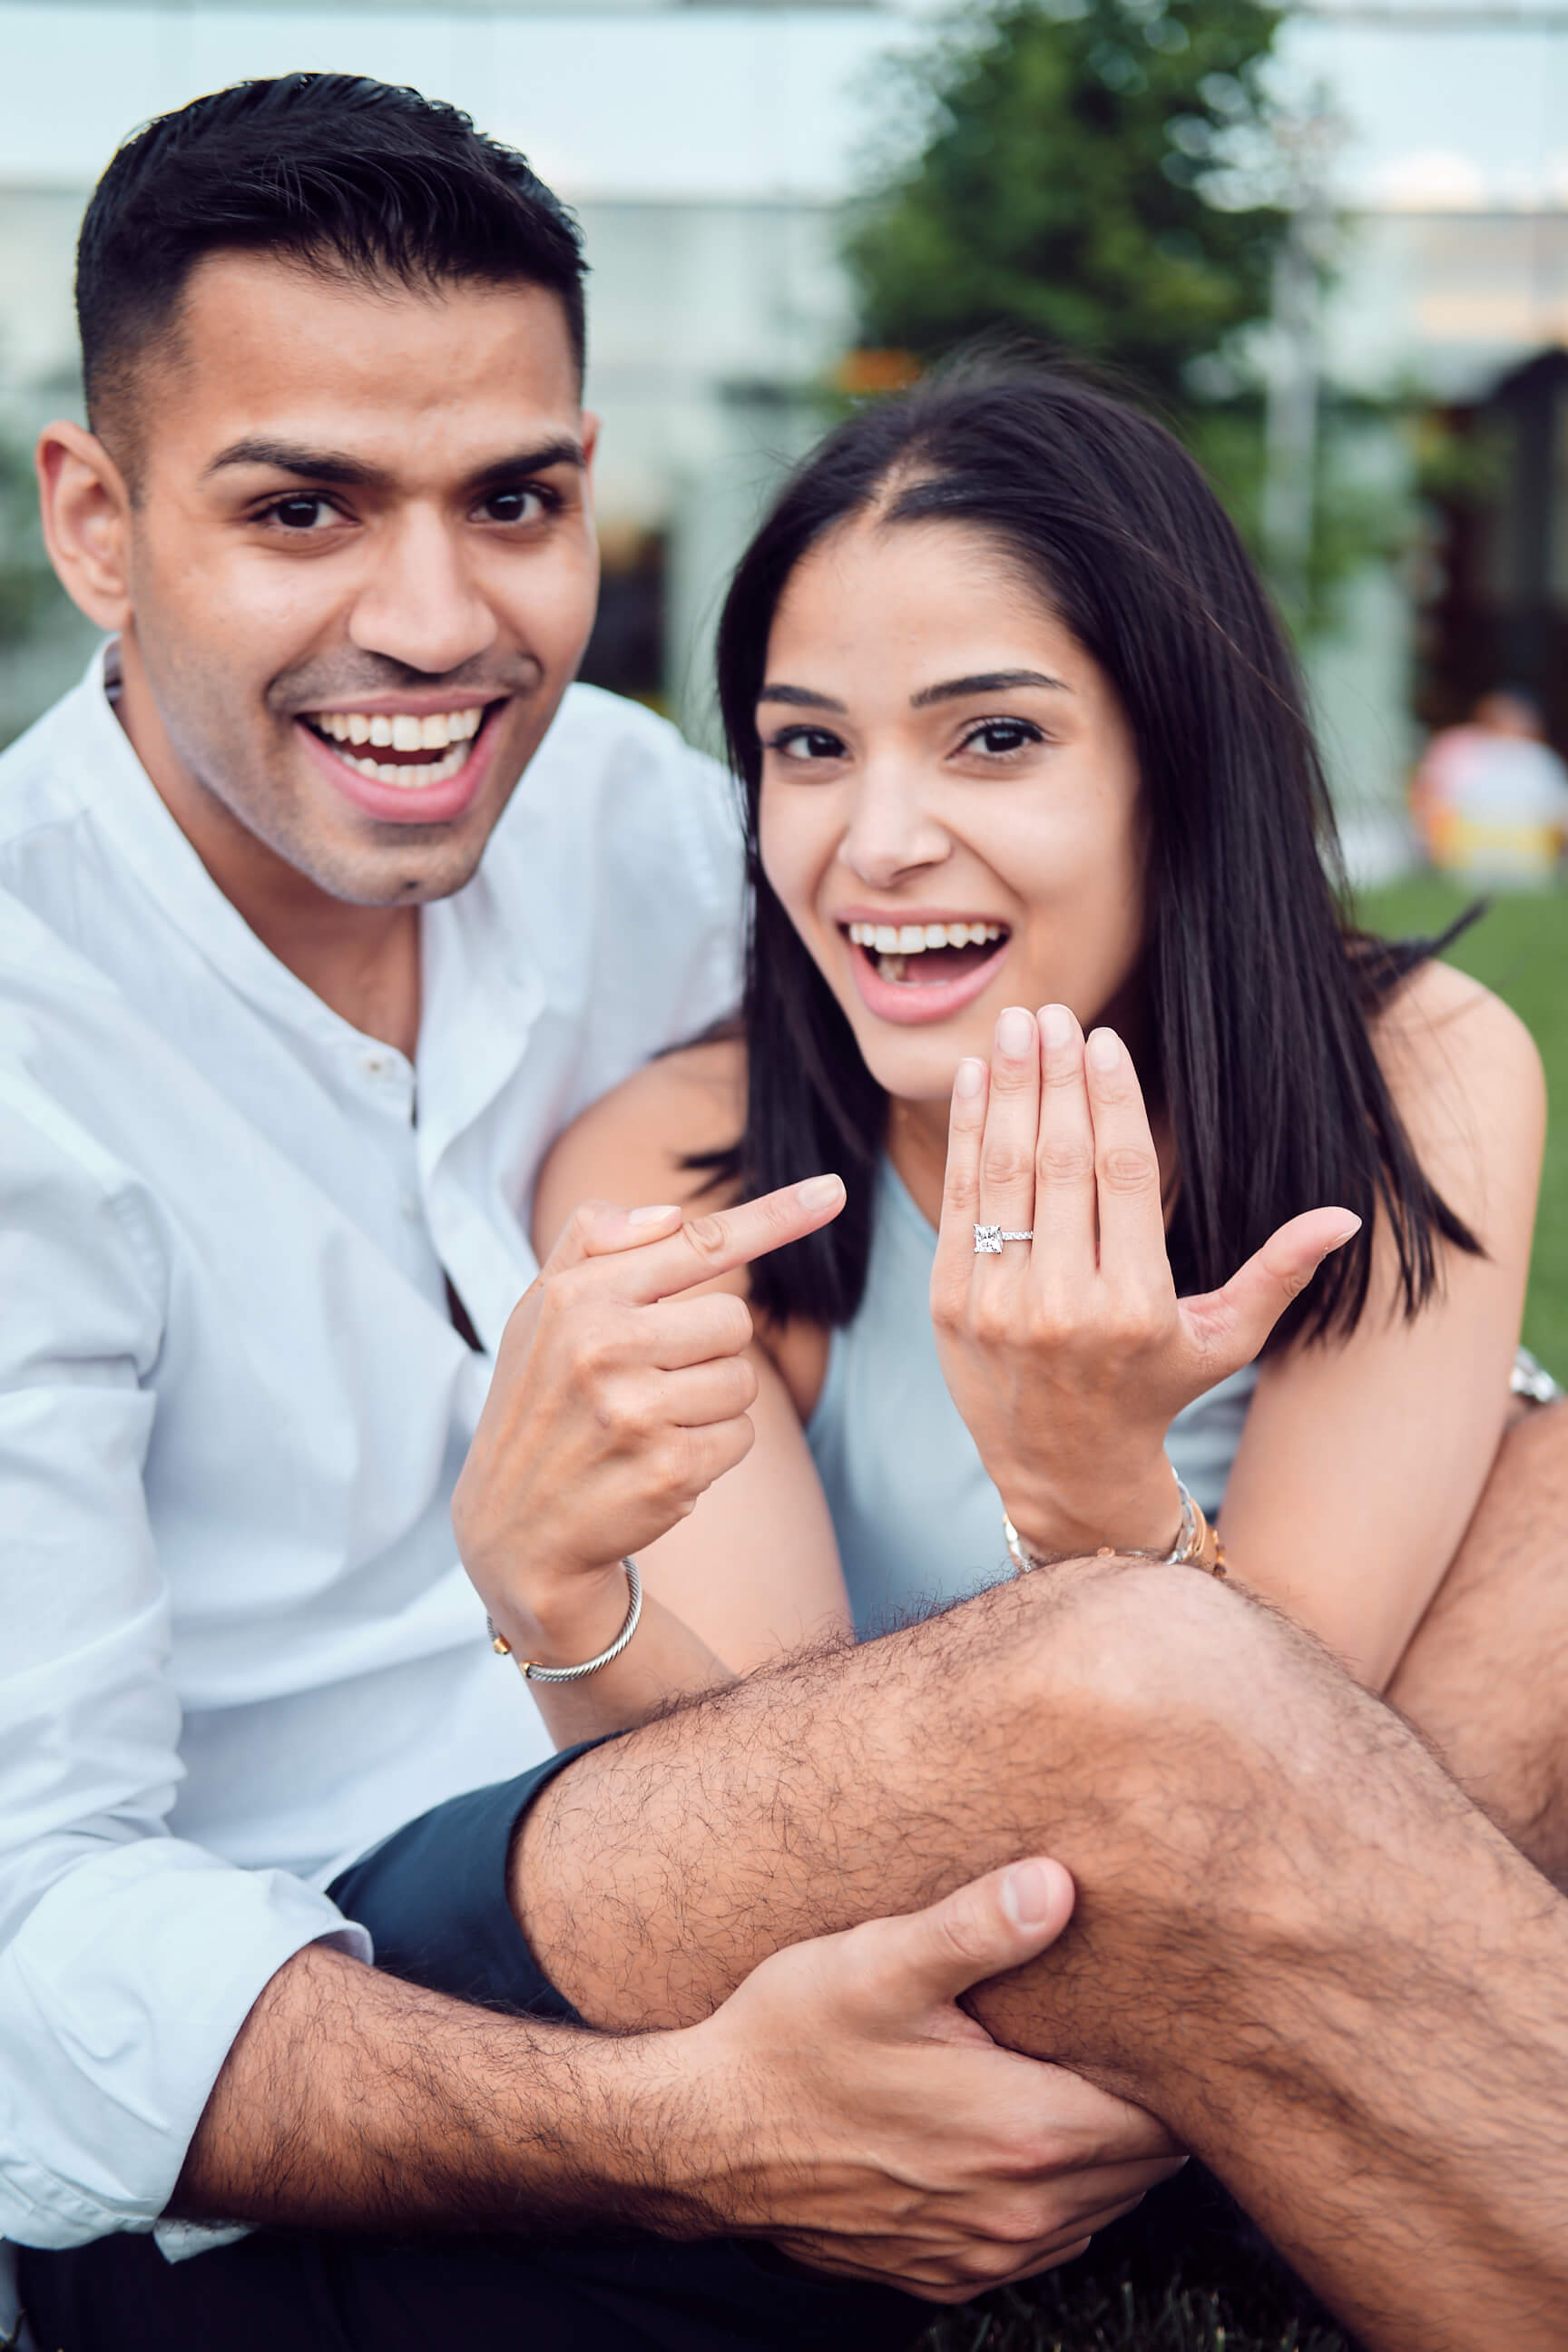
{"x":1094,"y":172}
{"x":28,"y":585}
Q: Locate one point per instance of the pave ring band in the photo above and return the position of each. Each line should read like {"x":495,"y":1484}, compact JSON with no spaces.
{"x":988,"y":1240}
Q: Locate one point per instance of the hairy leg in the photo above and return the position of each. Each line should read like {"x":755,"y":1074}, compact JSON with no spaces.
{"x":1485,"y":1676}
{"x":1295,"y":1941}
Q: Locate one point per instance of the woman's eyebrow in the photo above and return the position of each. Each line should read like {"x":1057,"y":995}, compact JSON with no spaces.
{"x":803,"y":698}
{"x":990,"y":681}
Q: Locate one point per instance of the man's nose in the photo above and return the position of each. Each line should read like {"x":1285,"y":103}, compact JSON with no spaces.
{"x":892,"y":830}
{"x":420,"y":604}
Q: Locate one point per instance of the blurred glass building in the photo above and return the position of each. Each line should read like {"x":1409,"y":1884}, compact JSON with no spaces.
{"x":710,"y":151}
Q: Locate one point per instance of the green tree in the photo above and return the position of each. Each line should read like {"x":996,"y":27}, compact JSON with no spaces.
{"x":28,"y":585}
{"x":1093,"y":172}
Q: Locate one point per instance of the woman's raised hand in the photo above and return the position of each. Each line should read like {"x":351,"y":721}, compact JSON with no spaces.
{"x":618,"y":1400}
{"x":1068,"y":1355}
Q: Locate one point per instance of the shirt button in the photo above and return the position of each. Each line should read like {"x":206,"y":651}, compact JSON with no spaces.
{"x":373,"y":1065}
{"x":411,"y":1207}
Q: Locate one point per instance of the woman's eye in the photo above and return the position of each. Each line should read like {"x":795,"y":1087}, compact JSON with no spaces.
{"x":807,"y":744}
{"x":302,"y":513}
{"x":999,"y":736}
{"x":525,"y":505}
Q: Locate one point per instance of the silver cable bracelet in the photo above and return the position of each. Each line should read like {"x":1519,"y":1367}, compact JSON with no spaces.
{"x":534,"y":1672}
{"x":1197,"y":1544}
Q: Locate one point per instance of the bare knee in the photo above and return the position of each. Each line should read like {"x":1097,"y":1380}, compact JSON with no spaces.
{"x":1190,"y":1726}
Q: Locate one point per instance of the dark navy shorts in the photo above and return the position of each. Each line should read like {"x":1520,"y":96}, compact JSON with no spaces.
{"x":433,"y":1897}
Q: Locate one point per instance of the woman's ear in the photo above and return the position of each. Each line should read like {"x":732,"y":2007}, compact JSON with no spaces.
{"x":86,"y":510}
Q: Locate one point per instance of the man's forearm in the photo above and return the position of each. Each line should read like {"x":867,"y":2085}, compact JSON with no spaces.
{"x":353,"y":2100}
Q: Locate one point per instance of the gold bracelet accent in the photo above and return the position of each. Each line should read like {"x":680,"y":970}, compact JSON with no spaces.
{"x":534,"y":1671}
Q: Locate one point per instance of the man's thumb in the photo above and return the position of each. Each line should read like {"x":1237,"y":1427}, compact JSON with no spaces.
{"x":980,"y":1930}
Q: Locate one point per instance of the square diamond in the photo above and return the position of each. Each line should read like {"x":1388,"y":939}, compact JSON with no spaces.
{"x":987,"y":1241}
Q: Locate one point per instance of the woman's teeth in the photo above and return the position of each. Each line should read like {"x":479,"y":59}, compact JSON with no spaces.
{"x":913,"y":939}
{"x":894,"y":943}
{"x":446,"y":733}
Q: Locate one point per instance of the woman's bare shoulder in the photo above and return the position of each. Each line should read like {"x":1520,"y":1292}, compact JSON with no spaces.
{"x":1467,"y":1077}
{"x":633,"y":1146}
{"x":1442,"y":1022}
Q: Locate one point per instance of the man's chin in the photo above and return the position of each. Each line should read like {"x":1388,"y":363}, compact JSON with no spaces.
{"x":407,"y":872}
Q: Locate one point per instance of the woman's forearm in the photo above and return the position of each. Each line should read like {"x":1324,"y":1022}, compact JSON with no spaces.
{"x":664,"y":1660}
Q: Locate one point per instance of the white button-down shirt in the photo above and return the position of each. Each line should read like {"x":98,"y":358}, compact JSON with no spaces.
{"x":236,"y":1646}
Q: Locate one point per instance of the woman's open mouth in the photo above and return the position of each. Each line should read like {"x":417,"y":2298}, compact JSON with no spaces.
{"x":923,"y":971}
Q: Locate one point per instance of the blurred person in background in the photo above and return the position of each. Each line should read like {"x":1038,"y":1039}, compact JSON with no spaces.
{"x":325,"y":904}
{"x":1491,"y":797}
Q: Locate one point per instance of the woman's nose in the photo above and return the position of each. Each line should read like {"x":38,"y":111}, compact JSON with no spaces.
{"x":892,"y":831}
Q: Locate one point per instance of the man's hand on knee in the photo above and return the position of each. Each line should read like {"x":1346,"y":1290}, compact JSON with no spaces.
{"x":875,"y":2130}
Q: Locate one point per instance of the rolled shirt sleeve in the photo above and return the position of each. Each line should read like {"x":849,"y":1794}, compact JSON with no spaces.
{"x":129,"y":1958}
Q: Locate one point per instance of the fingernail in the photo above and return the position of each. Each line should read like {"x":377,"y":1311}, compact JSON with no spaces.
{"x":969,"y":1077}
{"x":652,"y":1216}
{"x":1104,"y":1049}
{"x":1028,"y":1895}
{"x":1055,"y":1024}
{"x":1015,"y":1033}
{"x":819,"y":1191}
{"x":1339,"y":1240}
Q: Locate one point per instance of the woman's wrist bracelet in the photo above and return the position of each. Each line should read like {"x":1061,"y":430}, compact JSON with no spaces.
{"x":534,"y":1672}
{"x":1197,"y":1543}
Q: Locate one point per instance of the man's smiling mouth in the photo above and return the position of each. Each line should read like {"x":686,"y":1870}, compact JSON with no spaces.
{"x":401,"y":748}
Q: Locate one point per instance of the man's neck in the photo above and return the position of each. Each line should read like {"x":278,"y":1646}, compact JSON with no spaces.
{"x":362,"y":961}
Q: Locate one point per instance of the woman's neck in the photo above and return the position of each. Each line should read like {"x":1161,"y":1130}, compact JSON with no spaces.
{"x":917,"y":1146}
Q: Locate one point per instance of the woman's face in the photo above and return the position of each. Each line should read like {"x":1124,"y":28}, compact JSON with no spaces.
{"x":950,"y":801}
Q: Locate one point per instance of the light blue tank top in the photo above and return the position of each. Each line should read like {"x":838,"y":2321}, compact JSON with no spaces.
{"x":918,"y":1520}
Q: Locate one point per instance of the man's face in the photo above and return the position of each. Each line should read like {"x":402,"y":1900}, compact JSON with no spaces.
{"x":360,"y":570}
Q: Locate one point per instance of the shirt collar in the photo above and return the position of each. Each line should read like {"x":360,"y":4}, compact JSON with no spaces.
{"x":481,"y":986}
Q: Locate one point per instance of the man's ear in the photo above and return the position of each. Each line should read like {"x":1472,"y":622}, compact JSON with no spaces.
{"x":86,"y":510}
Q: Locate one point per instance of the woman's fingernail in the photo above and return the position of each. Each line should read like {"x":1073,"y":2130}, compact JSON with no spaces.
{"x":1015,"y":1033}
{"x":1055,"y":1024}
{"x":819,"y":1191}
{"x":1339,"y":1240}
{"x":969,"y":1077}
{"x":1104,"y":1048}
{"x":652,"y":1216}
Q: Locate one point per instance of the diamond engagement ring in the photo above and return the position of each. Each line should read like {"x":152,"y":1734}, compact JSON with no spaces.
{"x":988,"y":1240}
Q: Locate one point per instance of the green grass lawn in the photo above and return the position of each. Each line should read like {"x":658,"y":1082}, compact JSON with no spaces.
{"x":1230,"y":2303}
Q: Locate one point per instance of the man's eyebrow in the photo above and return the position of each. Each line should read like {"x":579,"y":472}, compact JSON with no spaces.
{"x":990,"y":681}
{"x":295,"y":457}
{"x":803,"y":698}
{"x":564,"y":451}
{"x":337,"y":467}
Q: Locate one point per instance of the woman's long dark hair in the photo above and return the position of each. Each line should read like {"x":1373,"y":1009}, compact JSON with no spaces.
{"x":1259,"y":994}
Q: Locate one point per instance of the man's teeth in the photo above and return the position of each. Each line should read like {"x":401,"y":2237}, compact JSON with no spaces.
{"x":913,"y":939}
{"x":399,"y":730}
{"x":413,"y":773}
{"x":447,"y":732}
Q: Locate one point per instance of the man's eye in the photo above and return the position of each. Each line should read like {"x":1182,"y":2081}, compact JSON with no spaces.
{"x":302,"y":513}
{"x":807,"y":744}
{"x":529,"y":504}
{"x":999,"y":736}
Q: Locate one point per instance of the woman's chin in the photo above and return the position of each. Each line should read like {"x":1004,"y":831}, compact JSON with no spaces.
{"x":918,"y":1065}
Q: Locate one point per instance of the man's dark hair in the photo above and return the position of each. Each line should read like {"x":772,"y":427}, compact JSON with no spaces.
{"x":341,"y":175}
